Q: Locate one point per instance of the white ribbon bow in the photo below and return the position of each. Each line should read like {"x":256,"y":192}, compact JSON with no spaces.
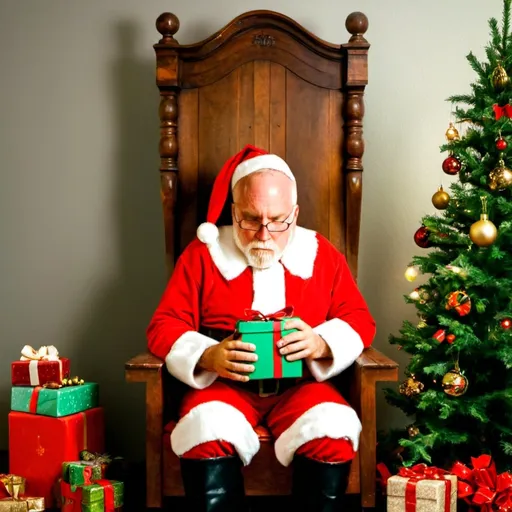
{"x":45,"y":353}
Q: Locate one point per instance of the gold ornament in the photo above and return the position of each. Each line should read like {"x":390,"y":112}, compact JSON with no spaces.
{"x":441,"y":199}
{"x":452,"y":133}
{"x":75,"y":381}
{"x":411,"y":273}
{"x":483,"y":232}
{"x":454,"y":383}
{"x":415,"y":294}
{"x":413,"y":431}
{"x":500,"y":79}
{"x":500,"y":178}
{"x":411,"y":387}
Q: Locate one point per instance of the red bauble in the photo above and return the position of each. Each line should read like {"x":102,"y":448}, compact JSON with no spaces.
{"x":506,"y":323}
{"x":451,"y":165}
{"x":421,"y":237}
{"x":501,"y":144}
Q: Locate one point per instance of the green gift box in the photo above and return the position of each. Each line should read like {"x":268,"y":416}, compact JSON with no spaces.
{"x":81,"y":472}
{"x":265,"y":334}
{"x":55,"y":402}
{"x":97,"y":497}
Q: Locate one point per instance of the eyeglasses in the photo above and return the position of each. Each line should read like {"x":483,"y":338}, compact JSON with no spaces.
{"x":276,"y":226}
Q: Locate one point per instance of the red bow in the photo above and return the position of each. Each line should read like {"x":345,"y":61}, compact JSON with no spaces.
{"x":506,"y":110}
{"x":483,"y":486}
{"x":423,"y":472}
{"x":253,"y":314}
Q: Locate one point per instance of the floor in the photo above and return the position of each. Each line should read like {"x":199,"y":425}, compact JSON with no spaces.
{"x":134,"y":497}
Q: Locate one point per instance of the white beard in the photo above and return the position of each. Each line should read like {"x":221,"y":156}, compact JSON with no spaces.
{"x":260,"y":254}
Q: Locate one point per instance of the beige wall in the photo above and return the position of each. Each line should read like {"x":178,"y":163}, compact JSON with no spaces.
{"x":81,"y":236}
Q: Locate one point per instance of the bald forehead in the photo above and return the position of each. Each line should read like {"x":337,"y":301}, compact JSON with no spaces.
{"x":266,"y":185}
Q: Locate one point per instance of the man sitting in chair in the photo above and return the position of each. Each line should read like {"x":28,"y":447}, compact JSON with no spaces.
{"x":263,"y":262}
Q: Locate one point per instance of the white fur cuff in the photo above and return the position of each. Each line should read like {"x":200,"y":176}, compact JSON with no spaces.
{"x":345,"y":344}
{"x":215,"y":421}
{"x":329,"y":419}
{"x":182,"y":359}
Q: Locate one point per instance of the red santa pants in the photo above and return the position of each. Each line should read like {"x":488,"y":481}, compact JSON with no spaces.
{"x":311,"y":419}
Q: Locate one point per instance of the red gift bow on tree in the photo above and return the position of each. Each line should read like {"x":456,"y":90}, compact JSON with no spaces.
{"x":253,"y":314}
{"x":482,"y":485}
{"x":423,"y":472}
{"x":499,"y":112}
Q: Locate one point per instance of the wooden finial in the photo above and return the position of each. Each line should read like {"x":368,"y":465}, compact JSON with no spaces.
{"x":167,"y":24}
{"x":357,"y":24}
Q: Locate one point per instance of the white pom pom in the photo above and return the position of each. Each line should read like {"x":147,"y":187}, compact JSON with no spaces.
{"x":208,"y":233}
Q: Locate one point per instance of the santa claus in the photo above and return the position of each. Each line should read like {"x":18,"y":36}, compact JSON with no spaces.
{"x":265,"y":262}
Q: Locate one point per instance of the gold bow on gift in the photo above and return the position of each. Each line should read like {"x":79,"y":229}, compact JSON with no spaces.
{"x":15,"y":487}
{"x":44,"y":353}
{"x":66,"y":382}
{"x":96,"y":458}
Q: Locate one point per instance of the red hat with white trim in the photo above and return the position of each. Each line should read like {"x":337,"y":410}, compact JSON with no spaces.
{"x":250,"y":159}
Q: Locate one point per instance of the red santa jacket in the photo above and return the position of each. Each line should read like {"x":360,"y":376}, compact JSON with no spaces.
{"x":213,"y":286}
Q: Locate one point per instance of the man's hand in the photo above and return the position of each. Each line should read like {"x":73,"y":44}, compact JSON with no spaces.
{"x":304,"y":343}
{"x":226,"y":359}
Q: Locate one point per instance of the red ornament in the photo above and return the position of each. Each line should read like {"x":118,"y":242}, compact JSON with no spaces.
{"x":450,"y":338}
{"x":451,"y":165}
{"x":459,"y":301}
{"x":506,"y":323}
{"x":421,"y":237}
{"x":439,"y":335}
{"x":501,"y":144}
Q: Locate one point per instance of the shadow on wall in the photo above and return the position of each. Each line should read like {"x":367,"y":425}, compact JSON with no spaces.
{"x":114,"y":329}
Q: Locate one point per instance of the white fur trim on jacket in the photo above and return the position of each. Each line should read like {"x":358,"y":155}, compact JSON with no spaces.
{"x":329,"y":419}
{"x":269,"y":289}
{"x":215,"y":421}
{"x":298,"y":257}
{"x":345,"y":344}
{"x":182,"y":359}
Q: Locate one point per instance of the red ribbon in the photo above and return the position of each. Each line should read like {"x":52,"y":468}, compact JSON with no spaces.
{"x":34,"y":399}
{"x":253,"y":314}
{"x":421,"y":472}
{"x":278,"y":362}
{"x":108,"y":493}
{"x":482,"y":485}
{"x":499,"y":112}
{"x":87,"y":472}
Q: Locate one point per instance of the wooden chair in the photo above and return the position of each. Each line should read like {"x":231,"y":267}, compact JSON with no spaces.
{"x":265,"y":80}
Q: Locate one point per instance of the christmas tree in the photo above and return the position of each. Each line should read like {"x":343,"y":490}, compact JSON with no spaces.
{"x":458,"y":384}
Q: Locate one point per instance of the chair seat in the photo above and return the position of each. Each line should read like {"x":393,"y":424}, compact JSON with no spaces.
{"x":262,"y":431}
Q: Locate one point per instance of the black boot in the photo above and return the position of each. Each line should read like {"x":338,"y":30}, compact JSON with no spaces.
{"x":213,"y":485}
{"x":318,"y":486}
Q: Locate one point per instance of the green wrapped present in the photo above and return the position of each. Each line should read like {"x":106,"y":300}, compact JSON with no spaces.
{"x":264,"y":332}
{"x":55,"y":402}
{"x":82,"y":472}
{"x":100,"y":496}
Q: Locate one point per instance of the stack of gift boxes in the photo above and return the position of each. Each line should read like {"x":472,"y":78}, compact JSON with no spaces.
{"x":54,"y":420}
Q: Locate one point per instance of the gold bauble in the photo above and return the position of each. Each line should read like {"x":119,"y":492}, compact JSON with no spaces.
{"x":452,"y":133}
{"x":454,"y":383}
{"x":500,"y":79}
{"x":483,"y":232}
{"x":500,"y":178}
{"x":411,"y":273}
{"x":411,"y":387}
{"x":413,"y":431}
{"x":441,"y":199}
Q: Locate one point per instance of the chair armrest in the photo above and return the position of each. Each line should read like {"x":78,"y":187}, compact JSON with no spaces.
{"x":372,"y":359}
{"x":370,"y":367}
{"x":148,"y":368}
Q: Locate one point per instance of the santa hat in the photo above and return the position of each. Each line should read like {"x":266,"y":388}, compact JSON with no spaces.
{"x":250,"y":159}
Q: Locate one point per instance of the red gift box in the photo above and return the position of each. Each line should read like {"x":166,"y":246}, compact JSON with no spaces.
{"x":38,"y":445}
{"x":38,"y":373}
